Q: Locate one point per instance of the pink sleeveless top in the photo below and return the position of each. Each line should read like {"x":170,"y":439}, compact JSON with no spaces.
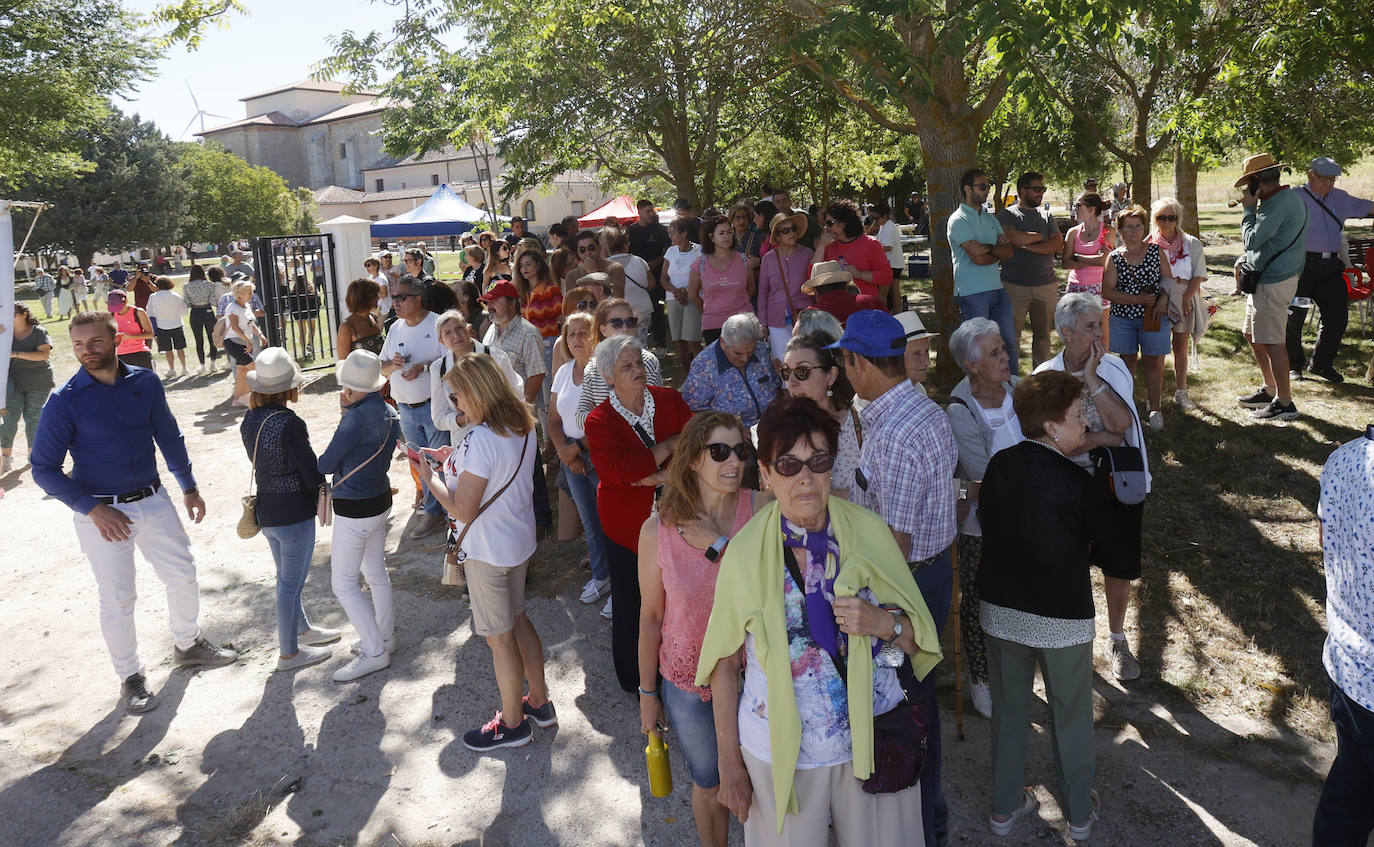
{"x":128,"y":325}
{"x":689,"y":588}
{"x":723,"y":293}
{"x":1086,"y":279}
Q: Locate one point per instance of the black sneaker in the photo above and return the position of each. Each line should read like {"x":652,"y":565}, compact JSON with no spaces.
{"x":496,"y":734}
{"x":1276,"y":411}
{"x":543,"y":717}
{"x":1327,"y":373}
{"x":1258,"y":400}
{"x":204,"y":654}
{"x":135,"y":695}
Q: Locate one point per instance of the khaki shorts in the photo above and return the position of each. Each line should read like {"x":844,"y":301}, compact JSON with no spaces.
{"x":1266,"y":311}
{"x":497,"y":596}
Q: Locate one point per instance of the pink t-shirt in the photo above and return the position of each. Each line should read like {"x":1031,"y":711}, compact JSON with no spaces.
{"x":130,"y":327}
{"x":723,"y":293}
{"x":689,"y":588}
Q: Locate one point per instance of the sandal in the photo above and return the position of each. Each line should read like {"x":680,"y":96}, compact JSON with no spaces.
{"x":1028,"y":805}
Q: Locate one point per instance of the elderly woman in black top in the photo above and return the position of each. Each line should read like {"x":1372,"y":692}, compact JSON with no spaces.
{"x":1039,"y":512}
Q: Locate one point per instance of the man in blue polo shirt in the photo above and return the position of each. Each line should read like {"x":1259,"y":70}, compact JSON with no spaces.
{"x":109,"y":416}
{"x":978,"y":245}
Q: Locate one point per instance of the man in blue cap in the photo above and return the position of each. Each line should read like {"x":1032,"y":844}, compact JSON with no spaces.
{"x":1323,"y":280}
{"x":906,"y":474}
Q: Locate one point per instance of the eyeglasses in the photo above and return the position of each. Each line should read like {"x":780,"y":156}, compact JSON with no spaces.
{"x":623,"y":323}
{"x":587,"y":248}
{"x":803,"y":372}
{"x":981,"y":186}
{"x":1167,"y":218}
{"x":721,"y":452}
{"x":829,"y":222}
{"x":787,"y":229}
{"x":401,"y":298}
{"x":791,"y":465}
{"x":586,"y":304}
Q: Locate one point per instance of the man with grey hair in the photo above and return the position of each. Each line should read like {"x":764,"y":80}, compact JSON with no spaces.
{"x":238,"y":266}
{"x":735,"y":372}
{"x":1323,"y":273}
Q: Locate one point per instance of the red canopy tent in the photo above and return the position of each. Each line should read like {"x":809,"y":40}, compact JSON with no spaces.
{"x":621,"y":209}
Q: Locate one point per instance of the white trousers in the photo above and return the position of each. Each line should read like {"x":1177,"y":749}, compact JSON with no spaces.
{"x":359,"y":546}
{"x":159,"y":535}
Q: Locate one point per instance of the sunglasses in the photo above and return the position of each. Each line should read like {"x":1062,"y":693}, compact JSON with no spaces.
{"x":453,"y":398}
{"x":623,"y":323}
{"x":803,"y":372}
{"x":721,"y":452}
{"x":786,"y":230}
{"x":586,"y":304}
{"x":981,"y":186}
{"x":401,"y":298}
{"x":831,"y":223}
{"x":587,"y":248}
{"x":791,"y":465}
{"x":1167,"y":218}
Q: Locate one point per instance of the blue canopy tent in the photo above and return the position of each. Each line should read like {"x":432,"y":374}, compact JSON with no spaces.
{"x":444,"y":213}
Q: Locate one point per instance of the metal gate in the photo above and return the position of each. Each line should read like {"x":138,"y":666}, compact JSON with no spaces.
{"x":300,"y":292}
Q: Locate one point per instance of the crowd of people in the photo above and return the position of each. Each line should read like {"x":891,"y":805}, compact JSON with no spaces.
{"x":778,"y":540}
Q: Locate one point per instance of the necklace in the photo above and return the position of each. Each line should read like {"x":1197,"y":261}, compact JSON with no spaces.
{"x":1053,"y":447}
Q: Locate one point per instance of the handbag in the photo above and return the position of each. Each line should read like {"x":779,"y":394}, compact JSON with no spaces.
{"x":792,"y":310}
{"x":1250,"y":275}
{"x":453,"y":564}
{"x":248,"y":521}
{"x":324,"y":504}
{"x":899,"y":734}
{"x":1122,"y":469}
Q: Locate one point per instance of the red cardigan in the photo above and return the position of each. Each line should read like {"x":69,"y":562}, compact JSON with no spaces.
{"x":620,"y":458}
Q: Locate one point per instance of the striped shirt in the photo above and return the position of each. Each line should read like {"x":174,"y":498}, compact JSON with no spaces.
{"x":544,"y":308}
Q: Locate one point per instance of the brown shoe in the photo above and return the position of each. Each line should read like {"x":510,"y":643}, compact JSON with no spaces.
{"x":425,"y":525}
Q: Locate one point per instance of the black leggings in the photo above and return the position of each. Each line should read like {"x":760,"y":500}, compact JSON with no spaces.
{"x":203,"y":328}
{"x":624,"y":566}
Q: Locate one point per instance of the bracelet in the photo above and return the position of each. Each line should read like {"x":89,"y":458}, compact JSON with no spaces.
{"x":1098,"y":390}
{"x":648,"y":693}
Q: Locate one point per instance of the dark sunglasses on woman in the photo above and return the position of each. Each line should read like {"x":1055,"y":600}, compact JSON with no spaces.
{"x":623,"y":323}
{"x":803,"y":372}
{"x":586,"y":304}
{"x":791,"y":465}
{"x":721,"y":452}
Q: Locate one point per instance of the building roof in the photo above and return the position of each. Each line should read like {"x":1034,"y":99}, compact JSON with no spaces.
{"x":352,"y":110}
{"x":338,"y":194}
{"x":277,"y":119}
{"x":269,"y":119}
{"x":306,"y":85}
{"x":446,"y":155}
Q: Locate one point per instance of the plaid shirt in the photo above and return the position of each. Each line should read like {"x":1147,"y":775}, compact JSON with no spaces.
{"x":522,"y":343}
{"x":908,"y":458}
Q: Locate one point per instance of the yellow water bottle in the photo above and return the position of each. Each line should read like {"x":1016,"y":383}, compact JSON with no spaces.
{"x":660,"y":772}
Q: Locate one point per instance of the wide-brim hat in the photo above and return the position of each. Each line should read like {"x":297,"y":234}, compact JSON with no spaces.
{"x":799,"y":222}
{"x":911,"y":322}
{"x":275,"y":372}
{"x":1256,"y":163}
{"x":361,"y":371}
{"x":826,"y":273}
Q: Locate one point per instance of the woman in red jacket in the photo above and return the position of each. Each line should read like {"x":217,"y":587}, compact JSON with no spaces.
{"x":630,"y":437}
{"x":843,"y":241}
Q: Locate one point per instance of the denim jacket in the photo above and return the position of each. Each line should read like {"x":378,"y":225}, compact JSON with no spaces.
{"x":366,"y":425}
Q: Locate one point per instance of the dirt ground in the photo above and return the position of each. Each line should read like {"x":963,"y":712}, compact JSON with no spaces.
{"x":243,"y":755}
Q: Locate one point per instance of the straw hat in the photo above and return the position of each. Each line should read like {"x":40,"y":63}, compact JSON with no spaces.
{"x":799,"y":223}
{"x":276,"y":371}
{"x":825,"y":273}
{"x":361,"y":371}
{"x":1254,"y":164}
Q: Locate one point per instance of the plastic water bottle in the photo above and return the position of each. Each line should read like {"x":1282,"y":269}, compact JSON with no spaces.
{"x":660,"y":772}
{"x":1302,"y":302}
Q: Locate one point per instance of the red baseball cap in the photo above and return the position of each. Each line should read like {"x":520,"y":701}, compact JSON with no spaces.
{"x":503,"y":288}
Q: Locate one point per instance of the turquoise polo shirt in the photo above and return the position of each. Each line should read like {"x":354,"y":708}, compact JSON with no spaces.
{"x":970,"y":224}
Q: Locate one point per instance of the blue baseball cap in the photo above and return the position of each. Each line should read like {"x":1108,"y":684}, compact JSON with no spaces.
{"x":872,"y":332}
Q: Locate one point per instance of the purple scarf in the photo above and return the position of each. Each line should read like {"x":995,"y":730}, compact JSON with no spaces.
{"x":820,"y":592}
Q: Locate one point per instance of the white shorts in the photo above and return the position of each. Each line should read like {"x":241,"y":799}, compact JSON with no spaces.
{"x":684,"y":320}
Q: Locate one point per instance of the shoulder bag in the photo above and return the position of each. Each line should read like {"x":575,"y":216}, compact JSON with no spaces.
{"x":324,"y":505}
{"x":248,"y":521}
{"x":792,"y":309}
{"x":1250,"y":275}
{"x":1122,"y":468}
{"x":899,"y":734}
{"x":453,"y":563}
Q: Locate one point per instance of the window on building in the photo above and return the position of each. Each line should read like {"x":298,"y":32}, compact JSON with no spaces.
{"x":433,"y":179}
{"x":343,"y":151}
{"x":579,"y":207}
{"x":380,"y":183}
{"x":403,"y":185}
{"x":483,"y":174}
{"x":505,"y":209}
{"x":372,"y":217}
{"x":528,"y":212}
{"x":389,"y":215}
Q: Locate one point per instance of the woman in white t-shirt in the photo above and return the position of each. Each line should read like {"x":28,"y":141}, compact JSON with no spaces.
{"x":891,"y":238}
{"x":567,"y":437}
{"x":684,"y":319}
{"x":242,"y":328}
{"x":487,"y":488}
{"x":638,"y":277}
{"x":983,"y":421}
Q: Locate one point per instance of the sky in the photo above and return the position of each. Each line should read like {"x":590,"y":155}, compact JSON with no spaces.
{"x":276,"y":43}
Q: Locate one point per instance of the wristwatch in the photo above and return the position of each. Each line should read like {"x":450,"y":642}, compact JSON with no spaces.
{"x":896,"y":623}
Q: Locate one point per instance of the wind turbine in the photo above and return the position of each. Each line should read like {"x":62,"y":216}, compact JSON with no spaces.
{"x":200,"y":114}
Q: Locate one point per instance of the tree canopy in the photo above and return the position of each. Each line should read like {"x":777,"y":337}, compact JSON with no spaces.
{"x":231,"y":199}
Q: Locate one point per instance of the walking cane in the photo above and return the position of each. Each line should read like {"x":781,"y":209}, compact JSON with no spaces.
{"x":958,"y":673}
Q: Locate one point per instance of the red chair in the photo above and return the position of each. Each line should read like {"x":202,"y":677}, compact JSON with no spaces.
{"x":1358,"y":291}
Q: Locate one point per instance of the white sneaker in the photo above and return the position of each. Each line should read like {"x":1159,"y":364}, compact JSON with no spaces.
{"x":606,"y":609}
{"x":1184,"y":401}
{"x":595,"y":589}
{"x":362,"y":666}
{"x":982,"y":698}
{"x":200,"y":371}
{"x":317,"y":635}
{"x":304,"y":658}
{"x":356,"y":648}
{"x":170,"y":375}
{"x":1157,"y":421}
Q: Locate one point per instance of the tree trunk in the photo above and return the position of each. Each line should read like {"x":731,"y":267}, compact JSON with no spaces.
{"x":1185,"y":189}
{"x":948,"y":150}
{"x":1142,"y":187}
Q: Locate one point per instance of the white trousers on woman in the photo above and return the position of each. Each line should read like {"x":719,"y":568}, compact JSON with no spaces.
{"x":359,"y":546}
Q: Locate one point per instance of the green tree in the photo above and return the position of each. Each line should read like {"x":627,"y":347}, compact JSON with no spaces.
{"x":231,"y":199}
{"x":137,"y":192}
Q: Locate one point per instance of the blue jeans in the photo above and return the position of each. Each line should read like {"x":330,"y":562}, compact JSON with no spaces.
{"x":582,"y":489}
{"x":1345,"y":816}
{"x":418,"y":428}
{"x":936,"y":581}
{"x":994,"y":305}
{"x":692,"y":722}
{"x":292,"y":546}
{"x":1129,"y":336}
